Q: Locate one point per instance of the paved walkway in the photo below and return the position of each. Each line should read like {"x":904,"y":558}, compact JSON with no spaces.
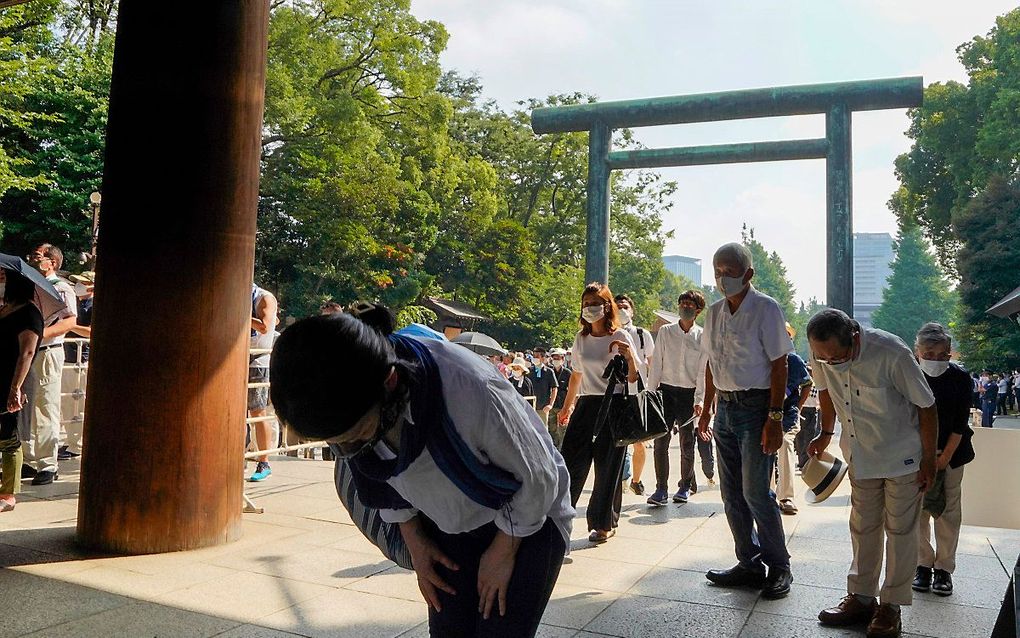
{"x":303,"y":570}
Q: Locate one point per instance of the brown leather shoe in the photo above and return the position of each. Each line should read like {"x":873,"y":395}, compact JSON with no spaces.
{"x":886,"y":623}
{"x":849,"y":611}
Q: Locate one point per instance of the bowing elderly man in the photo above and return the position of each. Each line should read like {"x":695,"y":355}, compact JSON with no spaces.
{"x":871,"y":380}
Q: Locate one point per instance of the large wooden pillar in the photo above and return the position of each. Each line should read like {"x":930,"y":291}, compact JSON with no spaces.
{"x":162,"y":465}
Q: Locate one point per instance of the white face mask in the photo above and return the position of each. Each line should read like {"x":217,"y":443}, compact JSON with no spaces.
{"x":731,"y":286}
{"x":80,"y":290}
{"x":688,"y":314}
{"x":592,"y":314}
{"x":625,"y":317}
{"x":933,"y":368}
{"x":557,"y":363}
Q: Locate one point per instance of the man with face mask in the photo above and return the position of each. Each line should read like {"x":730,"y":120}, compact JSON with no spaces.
{"x":544,"y":384}
{"x":951,"y":386}
{"x":746,"y":343}
{"x":562,"y":373}
{"x":678,"y":371}
{"x":41,"y":449}
{"x":889,"y":422}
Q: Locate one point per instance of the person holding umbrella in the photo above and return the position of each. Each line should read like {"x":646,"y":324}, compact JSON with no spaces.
{"x":21,"y":328}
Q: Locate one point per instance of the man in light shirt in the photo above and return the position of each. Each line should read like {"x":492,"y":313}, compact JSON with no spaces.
{"x":678,"y":371}
{"x":746,"y":342}
{"x":870,"y":379}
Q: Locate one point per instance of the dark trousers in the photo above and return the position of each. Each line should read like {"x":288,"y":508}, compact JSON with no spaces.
{"x":580,"y":452}
{"x":808,"y":431}
{"x":536,"y":568}
{"x":678,"y":405}
{"x":987,"y":413}
{"x":1001,"y":410}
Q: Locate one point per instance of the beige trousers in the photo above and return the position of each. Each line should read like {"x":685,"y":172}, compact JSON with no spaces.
{"x":787,"y":462}
{"x":947,"y":527}
{"x":41,"y":448}
{"x":884,"y":512}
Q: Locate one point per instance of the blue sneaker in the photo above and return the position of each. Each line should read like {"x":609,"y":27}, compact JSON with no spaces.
{"x":262,"y":472}
{"x":659,"y":497}
{"x":681,"y":496}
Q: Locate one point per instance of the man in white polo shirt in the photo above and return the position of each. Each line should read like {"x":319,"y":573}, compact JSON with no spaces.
{"x":870,"y":379}
{"x":746,"y":343}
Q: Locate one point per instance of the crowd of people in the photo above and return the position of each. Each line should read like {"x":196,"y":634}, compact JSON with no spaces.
{"x":481,"y":461}
{"x":34,"y":437}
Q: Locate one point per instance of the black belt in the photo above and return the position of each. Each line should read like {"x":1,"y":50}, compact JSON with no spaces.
{"x":52,"y":345}
{"x":737,"y":395}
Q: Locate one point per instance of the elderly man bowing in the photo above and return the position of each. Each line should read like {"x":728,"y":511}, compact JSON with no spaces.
{"x":889,"y":429}
{"x":746,"y":344}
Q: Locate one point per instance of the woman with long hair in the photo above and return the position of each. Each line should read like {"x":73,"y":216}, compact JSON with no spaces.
{"x":21,"y":327}
{"x":442,"y":445}
{"x":600,"y":340}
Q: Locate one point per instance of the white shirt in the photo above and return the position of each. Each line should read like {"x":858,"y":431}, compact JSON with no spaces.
{"x":644,"y":352}
{"x":70,"y":301}
{"x":591,"y":355}
{"x":741,"y":347}
{"x":679,"y":360}
{"x":261,"y":341}
{"x":876,"y":399}
{"x":501,"y":428}
{"x":1016,"y":384}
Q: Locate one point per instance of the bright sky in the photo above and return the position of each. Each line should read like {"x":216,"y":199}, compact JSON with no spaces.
{"x":622,"y":49}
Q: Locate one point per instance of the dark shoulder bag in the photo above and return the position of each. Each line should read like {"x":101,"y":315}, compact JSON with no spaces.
{"x":631,"y":418}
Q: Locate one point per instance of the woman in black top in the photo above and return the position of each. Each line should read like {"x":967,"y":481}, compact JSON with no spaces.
{"x":951,"y":386}
{"x":21,"y":327}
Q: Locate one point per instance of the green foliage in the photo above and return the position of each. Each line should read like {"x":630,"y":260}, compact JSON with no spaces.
{"x":967,"y":147}
{"x":672,"y":287}
{"x":799,"y":321}
{"x":415,"y":314}
{"x":989,"y":263}
{"x":917,"y":291}
{"x":770,"y":273}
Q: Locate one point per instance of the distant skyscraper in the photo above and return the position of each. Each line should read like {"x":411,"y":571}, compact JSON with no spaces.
{"x":873,"y":257}
{"x":686,"y":266}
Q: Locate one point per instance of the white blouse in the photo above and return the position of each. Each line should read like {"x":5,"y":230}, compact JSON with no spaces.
{"x":501,"y":428}
{"x":590,"y":355}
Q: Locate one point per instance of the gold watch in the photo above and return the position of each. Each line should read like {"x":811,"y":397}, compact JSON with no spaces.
{"x":776,"y":415}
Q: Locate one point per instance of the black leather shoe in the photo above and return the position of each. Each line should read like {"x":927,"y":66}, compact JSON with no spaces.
{"x":737,"y":576}
{"x":44,"y":478}
{"x":943,"y":583}
{"x":27,"y":471}
{"x":922,"y":579}
{"x":777,"y":584}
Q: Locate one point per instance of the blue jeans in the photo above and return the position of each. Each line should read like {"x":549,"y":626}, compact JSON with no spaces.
{"x":744,"y":473}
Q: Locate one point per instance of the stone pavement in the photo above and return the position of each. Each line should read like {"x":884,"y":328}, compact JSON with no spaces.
{"x":302,"y":569}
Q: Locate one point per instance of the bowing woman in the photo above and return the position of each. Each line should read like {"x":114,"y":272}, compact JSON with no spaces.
{"x":600,"y":339}
{"x":443,"y":446}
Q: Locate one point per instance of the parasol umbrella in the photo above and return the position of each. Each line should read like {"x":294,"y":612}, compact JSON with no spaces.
{"x":479,"y":343}
{"x":421,"y":330}
{"x":47,"y":299}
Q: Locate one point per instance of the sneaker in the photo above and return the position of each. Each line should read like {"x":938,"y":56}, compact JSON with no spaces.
{"x":44,"y":478}
{"x":638,"y":488}
{"x":659,"y":497}
{"x":942,"y":584}
{"x":7,"y":502}
{"x":922,"y":579}
{"x":262,"y":472}
{"x":787,"y":506}
{"x":681,"y":496}
{"x":64,"y":454}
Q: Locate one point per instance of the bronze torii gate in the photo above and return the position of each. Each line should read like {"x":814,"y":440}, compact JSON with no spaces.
{"x":837,"y":101}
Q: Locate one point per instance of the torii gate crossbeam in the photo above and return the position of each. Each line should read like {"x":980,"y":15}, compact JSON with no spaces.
{"x":836,"y":100}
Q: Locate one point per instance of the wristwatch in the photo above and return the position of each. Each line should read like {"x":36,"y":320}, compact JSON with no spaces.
{"x":775,"y":415}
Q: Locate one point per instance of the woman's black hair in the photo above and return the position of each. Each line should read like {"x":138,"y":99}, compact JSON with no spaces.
{"x":19,"y":288}
{"x":326,"y":372}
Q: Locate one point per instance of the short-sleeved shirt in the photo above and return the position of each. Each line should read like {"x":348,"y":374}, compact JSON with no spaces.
{"x":953,"y":398}
{"x":590,"y":355}
{"x":563,"y":379}
{"x":741,"y":346}
{"x":543,"y":381}
{"x":876,"y":398}
{"x":70,"y":302}
{"x":25,"y":318}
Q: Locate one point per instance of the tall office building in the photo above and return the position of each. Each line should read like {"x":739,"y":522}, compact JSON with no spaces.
{"x":686,"y":266}
{"x":873,"y":257}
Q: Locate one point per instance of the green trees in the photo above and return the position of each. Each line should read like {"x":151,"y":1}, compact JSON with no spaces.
{"x":966,"y":150}
{"x":917,"y":291}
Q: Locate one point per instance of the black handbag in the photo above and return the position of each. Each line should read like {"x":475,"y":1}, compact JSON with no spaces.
{"x":631,"y":418}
